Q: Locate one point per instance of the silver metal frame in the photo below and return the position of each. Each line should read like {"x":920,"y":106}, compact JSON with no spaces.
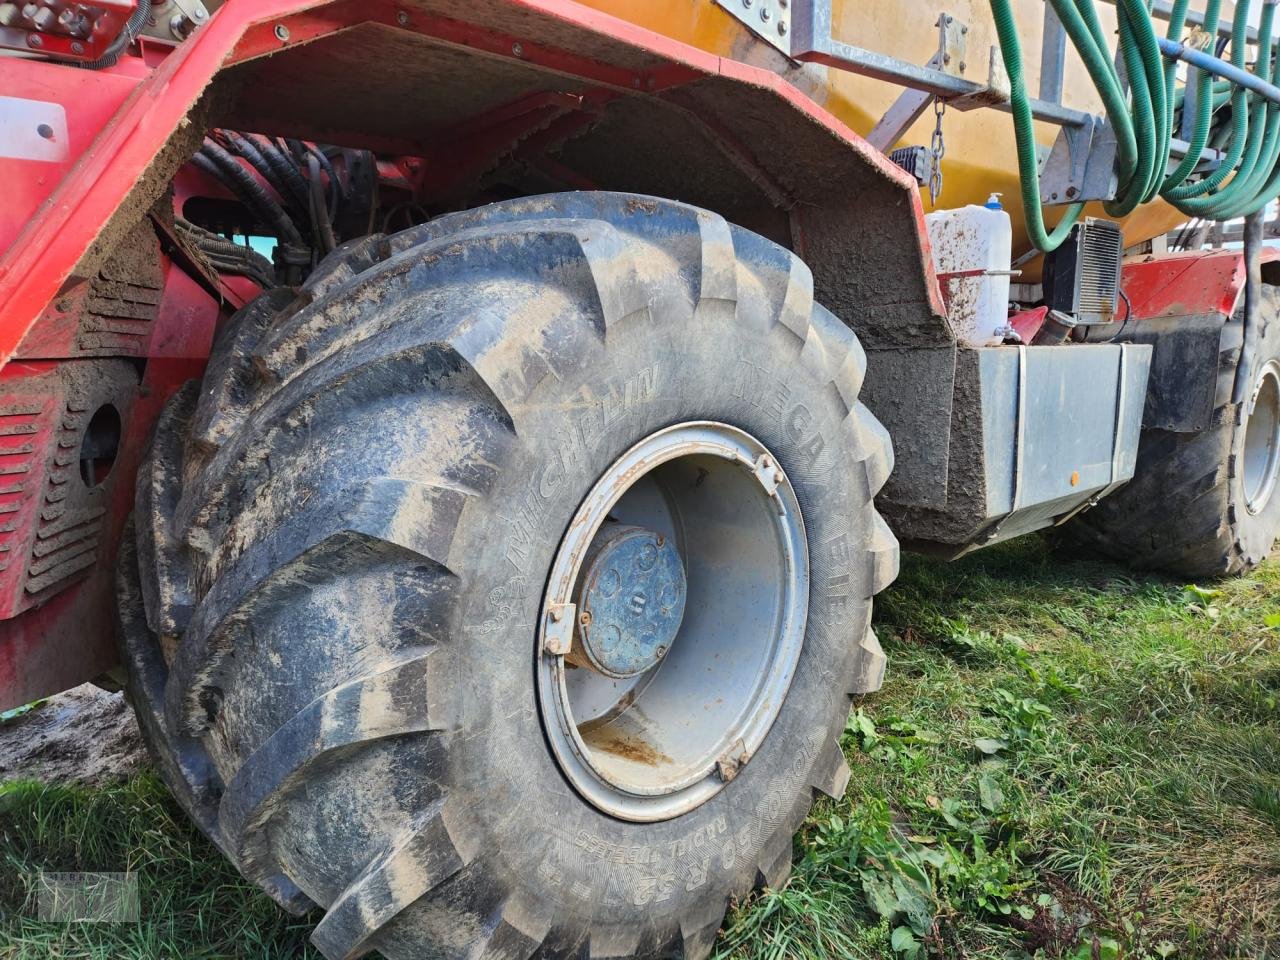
{"x":808,"y":38}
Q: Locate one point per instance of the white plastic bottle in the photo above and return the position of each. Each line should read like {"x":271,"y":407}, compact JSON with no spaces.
{"x":972,"y":250}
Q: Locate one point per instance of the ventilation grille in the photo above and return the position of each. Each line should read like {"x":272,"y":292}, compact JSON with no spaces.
{"x":19,"y":424}
{"x":1082,"y":277}
{"x":1101,"y":247}
{"x":123,"y":300}
{"x":67,"y":539}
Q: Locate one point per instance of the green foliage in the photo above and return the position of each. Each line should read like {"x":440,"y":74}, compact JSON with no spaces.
{"x":193,"y":903}
{"x":1066,"y":761}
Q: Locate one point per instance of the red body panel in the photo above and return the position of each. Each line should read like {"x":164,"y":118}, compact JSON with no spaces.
{"x":1189,"y":284}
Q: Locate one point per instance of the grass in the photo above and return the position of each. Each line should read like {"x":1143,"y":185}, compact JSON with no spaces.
{"x":1066,"y":760}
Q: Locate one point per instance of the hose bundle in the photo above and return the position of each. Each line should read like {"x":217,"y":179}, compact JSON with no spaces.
{"x":227,"y":257}
{"x":299,"y":197}
{"x":1145,"y":117}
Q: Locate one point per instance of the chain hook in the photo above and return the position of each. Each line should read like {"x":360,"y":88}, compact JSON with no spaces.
{"x":937,"y":150}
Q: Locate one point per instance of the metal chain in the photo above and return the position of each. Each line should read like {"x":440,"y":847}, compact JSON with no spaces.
{"x":937,"y":150}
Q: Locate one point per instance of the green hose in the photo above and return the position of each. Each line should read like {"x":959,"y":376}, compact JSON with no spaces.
{"x":1081,"y":25}
{"x":1253,"y":173}
{"x":1239,"y":120}
{"x":1024,"y":135}
{"x":1144,"y":118}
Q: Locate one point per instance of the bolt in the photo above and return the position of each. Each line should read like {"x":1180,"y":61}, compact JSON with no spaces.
{"x":199,"y":14}
{"x":964,"y":29}
{"x":1072,"y":193}
{"x":34,"y":40}
{"x":962,"y":66}
{"x":783,"y":4}
{"x":782,"y":28}
{"x":402,"y":18}
{"x":661,"y":540}
{"x":662,"y":651}
{"x":555,"y":614}
{"x":747,"y":4}
{"x":517,"y":49}
{"x":45,"y":131}
{"x":282,"y":33}
{"x":584,"y":618}
{"x":946,"y":58}
{"x":764,"y":14}
{"x":77,"y":47}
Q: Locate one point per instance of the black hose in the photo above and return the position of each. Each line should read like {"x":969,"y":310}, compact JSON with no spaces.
{"x":226,"y":256}
{"x":286,"y":169}
{"x":1246,"y":369}
{"x":319,"y":214}
{"x":225,"y":168}
{"x":242,"y":146}
{"x":132,"y":28}
{"x":336,"y":190}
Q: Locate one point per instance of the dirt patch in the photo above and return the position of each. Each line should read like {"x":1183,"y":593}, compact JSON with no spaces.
{"x":85,"y":735}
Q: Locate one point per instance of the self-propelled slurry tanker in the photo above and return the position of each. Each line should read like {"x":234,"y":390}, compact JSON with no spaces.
{"x":475,"y":432}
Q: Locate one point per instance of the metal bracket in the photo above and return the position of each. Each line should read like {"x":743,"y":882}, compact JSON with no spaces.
{"x":996,"y":92}
{"x":770,"y":20}
{"x":1081,"y":165}
{"x":557,"y":632}
{"x":907,"y":109}
{"x":766,"y":472}
{"x":733,"y":760}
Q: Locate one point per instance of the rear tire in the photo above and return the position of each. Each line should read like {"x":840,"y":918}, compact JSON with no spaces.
{"x":343,"y":539}
{"x":1203,"y":505}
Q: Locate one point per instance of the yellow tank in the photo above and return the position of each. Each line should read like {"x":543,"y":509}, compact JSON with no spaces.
{"x":980,"y":156}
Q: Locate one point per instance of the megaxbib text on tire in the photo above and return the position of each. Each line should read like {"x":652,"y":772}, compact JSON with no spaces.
{"x":336,"y":611}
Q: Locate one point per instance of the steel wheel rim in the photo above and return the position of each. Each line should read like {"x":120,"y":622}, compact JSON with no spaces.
{"x":1262,"y":440}
{"x":661,"y":743}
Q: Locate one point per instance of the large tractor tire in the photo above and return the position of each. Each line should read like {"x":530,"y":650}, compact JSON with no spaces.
{"x":1204,"y":505}
{"x":504,"y":593}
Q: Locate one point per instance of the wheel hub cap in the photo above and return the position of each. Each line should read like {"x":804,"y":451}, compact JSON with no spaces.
{"x":630,"y":601}
{"x":673,"y":621}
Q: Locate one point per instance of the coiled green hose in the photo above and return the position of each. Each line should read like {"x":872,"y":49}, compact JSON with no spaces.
{"x":1144,"y":118}
{"x":1024,"y":135}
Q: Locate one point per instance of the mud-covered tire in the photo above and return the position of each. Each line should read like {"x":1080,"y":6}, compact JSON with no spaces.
{"x":1185,"y":511}
{"x":342,"y":543}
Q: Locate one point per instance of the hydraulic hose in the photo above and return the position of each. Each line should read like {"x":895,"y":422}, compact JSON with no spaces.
{"x":216,"y":161}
